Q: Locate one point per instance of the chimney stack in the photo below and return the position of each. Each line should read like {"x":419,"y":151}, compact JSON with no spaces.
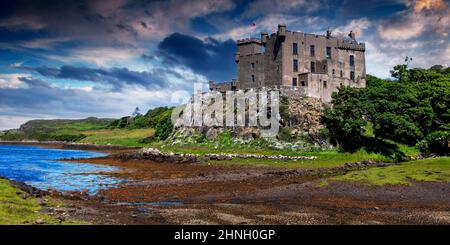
{"x":282,"y":30}
{"x":352,"y":35}
{"x":264,"y":36}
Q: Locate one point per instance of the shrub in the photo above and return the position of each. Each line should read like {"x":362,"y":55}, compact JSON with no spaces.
{"x":438,"y":142}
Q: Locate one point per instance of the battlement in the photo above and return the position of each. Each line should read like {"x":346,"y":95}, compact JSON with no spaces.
{"x":351,"y":45}
{"x":249,"y":41}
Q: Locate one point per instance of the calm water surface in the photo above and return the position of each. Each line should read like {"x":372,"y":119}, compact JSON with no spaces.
{"x":39,"y":167}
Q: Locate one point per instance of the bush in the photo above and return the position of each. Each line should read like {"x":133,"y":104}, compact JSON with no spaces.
{"x":164,"y":127}
{"x":285,"y":135}
{"x":423,"y":146}
{"x":67,"y":137}
{"x":438,"y":142}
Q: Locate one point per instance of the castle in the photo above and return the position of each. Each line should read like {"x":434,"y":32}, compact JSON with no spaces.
{"x":315,"y":65}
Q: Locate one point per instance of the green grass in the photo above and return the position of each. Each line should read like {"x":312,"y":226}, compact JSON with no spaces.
{"x":434,"y":169}
{"x":325,"y":159}
{"x":122,"y":137}
{"x":15,"y":210}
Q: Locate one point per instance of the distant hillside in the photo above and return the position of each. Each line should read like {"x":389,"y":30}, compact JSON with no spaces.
{"x":138,"y":130}
{"x":56,"y":129}
{"x":90,"y":123}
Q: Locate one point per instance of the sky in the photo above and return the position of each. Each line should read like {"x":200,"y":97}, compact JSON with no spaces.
{"x":103,"y":58}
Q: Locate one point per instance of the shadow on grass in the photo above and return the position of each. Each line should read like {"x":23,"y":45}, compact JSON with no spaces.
{"x":382,"y":147}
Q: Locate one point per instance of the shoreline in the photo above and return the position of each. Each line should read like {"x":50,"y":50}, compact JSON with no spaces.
{"x":230,"y":194}
{"x":108,"y":149}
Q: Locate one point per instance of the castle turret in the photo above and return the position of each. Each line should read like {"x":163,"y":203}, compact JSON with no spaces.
{"x":264,"y":36}
{"x":249,"y":46}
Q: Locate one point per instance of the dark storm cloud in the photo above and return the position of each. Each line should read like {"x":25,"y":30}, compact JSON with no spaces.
{"x":210,"y":57}
{"x":117,"y":77}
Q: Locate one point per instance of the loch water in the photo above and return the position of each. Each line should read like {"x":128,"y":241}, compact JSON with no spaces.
{"x":39,"y":167}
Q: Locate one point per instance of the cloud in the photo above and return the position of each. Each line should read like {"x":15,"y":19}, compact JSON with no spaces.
{"x":34,"y":101}
{"x":358,"y":26}
{"x":10,"y":122}
{"x":421,"y":5}
{"x":23,"y":22}
{"x":430,"y":17}
{"x":118,"y":78}
{"x":209,"y":57}
{"x":269,"y":23}
{"x":409,"y":28}
{"x":12,"y":80}
{"x":259,"y":7}
{"x":109,"y":22}
{"x":100,"y":56}
{"x":43,"y":43}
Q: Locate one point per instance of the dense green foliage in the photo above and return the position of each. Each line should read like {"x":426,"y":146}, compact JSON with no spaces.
{"x":345,"y":120}
{"x":414,"y":109}
{"x":158,"y":118}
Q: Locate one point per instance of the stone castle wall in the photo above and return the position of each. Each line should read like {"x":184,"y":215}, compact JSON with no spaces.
{"x":269,"y":62}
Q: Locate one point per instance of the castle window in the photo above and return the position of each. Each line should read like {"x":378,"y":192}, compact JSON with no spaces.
{"x":253,"y":78}
{"x":333,"y":72}
{"x":294,"y":82}
{"x":342,"y":74}
{"x":328,"y":52}
{"x":253,"y":65}
{"x":352,"y":76}
{"x":324,"y":84}
{"x":294,"y":48}
{"x":352,"y":60}
{"x":303,"y":83}
{"x":313,"y":66}
{"x":295,"y":65}
{"x":312,"y":51}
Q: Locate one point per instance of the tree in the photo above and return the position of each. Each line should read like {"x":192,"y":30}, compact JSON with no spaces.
{"x":136,"y":112}
{"x":400,"y":72}
{"x":412,"y":112}
{"x":345,"y":119}
{"x":436,"y":68}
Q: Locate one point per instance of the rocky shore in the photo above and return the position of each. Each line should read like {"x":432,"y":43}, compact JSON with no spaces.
{"x":157,"y":155}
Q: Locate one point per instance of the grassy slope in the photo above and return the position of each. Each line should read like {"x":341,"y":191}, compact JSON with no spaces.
{"x":324,"y":160}
{"x":89,"y":130}
{"x":327,"y":158}
{"x":16,"y":210}
{"x":123,"y":137}
{"x":436,"y":169}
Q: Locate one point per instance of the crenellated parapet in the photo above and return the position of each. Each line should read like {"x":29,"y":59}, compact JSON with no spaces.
{"x":249,"y":41}
{"x":351,"y":45}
